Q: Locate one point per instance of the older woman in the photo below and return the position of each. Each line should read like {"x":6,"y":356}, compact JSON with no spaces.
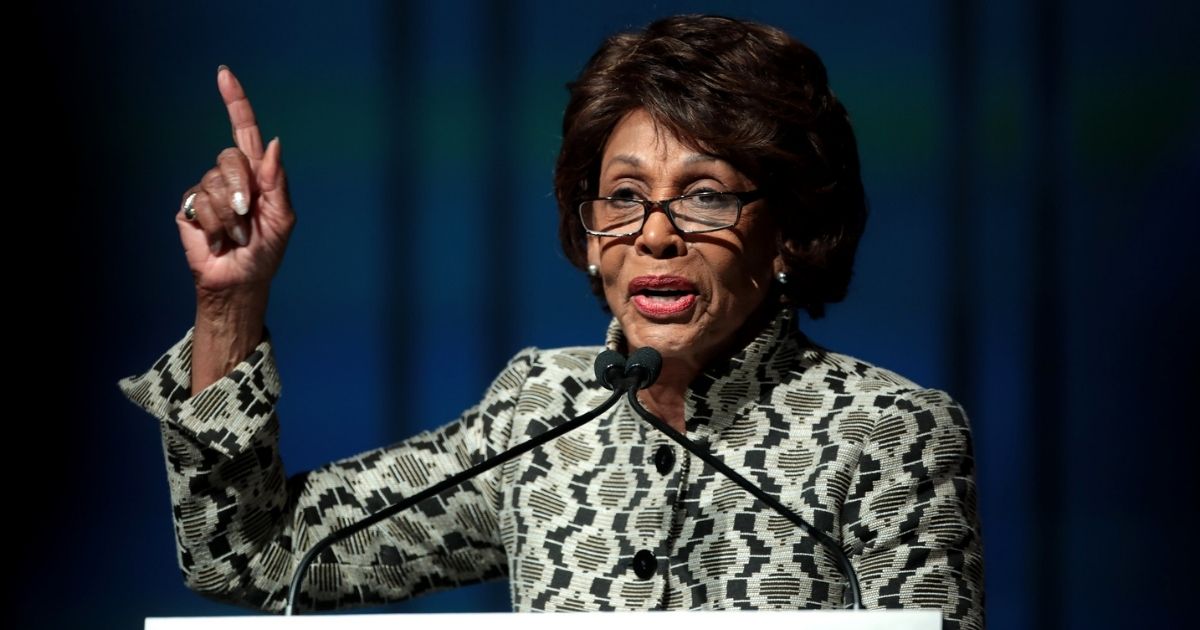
{"x":709,"y":185}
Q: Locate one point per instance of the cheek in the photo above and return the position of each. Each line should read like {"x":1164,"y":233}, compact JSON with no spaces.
{"x":593,"y":250}
{"x":611,"y":256}
{"x":609,"y":260}
{"x":755,"y":266}
{"x":739,"y":287}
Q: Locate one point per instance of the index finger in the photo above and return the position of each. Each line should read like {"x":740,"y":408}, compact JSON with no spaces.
{"x":245,"y":128}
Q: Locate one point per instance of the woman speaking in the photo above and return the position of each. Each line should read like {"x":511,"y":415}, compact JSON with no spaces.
{"x":708,"y":186}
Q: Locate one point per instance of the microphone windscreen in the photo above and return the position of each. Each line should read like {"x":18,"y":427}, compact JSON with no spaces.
{"x":610,"y":364}
{"x":645,"y":363}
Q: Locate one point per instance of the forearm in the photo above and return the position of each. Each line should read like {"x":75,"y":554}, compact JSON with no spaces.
{"x":229,"y":326}
{"x":227,"y":511}
{"x":242,"y":526}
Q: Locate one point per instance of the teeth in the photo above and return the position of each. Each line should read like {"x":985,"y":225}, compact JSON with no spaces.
{"x":663,"y":296}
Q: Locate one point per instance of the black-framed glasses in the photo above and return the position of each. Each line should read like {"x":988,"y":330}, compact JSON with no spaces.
{"x":690,"y":214}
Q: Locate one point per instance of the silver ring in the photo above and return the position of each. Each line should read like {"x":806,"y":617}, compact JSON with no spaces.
{"x":189,"y":210}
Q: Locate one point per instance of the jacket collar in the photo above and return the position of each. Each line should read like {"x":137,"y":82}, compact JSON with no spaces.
{"x":716,"y":396}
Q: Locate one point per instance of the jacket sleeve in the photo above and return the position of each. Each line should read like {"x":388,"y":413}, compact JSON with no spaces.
{"x":910,"y":521}
{"x":241,"y":525}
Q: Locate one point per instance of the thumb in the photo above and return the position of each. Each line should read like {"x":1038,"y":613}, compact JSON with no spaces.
{"x":270,"y":171}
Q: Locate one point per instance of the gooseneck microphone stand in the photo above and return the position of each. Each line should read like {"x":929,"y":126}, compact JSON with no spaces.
{"x":623,"y":377}
{"x":648,"y":360}
{"x":610,"y":370}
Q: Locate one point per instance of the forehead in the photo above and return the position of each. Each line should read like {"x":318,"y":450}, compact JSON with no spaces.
{"x":643,"y":149}
{"x":638,"y":139}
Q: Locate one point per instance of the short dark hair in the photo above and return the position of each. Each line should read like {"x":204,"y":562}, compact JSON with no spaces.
{"x":748,"y":94}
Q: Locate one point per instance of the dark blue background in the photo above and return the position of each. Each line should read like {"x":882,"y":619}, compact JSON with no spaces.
{"x":1031,"y":166}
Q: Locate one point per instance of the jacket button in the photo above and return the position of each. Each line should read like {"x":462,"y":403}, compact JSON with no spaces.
{"x":644,"y":564}
{"x":664,"y":459}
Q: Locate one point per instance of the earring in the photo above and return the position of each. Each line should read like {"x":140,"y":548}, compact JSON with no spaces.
{"x":593,"y":271}
{"x":782,"y":277}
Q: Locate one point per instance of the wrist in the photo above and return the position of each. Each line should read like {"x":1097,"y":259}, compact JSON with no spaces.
{"x":237,"y":319}
{"x":231,"y":309}
{"x":229,"y":325}
{"x":218,"y":303}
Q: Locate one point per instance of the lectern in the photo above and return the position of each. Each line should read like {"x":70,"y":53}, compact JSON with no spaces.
{"x":691,"y":620}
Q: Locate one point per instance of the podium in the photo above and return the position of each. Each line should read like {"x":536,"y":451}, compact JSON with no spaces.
{"x":693,"y":620}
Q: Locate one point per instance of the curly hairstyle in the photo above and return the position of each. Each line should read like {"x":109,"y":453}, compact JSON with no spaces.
{"x":746,"y":93}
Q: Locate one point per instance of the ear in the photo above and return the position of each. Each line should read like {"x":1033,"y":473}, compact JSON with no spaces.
{"x":779,"y":264}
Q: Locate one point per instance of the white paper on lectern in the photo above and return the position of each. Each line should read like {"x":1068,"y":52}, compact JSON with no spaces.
{"x":695,"y":620}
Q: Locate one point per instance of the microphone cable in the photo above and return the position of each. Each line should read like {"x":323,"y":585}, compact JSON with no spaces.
{"x":647,"y":362}
{"x":610,"y":371}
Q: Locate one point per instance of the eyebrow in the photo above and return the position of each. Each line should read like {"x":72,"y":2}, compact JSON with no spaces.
{"x":633,"y":160}
{"x":626,"y":158}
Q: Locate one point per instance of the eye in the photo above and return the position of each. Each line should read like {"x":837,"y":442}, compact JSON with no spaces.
{"x":624,"y":199}
{"x":705,"y":198}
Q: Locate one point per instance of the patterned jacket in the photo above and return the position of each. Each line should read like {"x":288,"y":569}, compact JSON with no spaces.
{"x":612,"y":516}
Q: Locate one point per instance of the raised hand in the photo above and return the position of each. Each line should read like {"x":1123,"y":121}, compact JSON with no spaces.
{"x":242,"y":214}
{"x":234,"y":225}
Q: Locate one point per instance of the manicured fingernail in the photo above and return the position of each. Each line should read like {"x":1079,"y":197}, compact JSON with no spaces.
{"x":239,"y":235}
{"x":215,"y":246}
{"x":222,"y":67}
{"x":239,"y":203}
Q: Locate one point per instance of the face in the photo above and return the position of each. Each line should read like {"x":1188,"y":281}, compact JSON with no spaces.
{"x":690,"y":296}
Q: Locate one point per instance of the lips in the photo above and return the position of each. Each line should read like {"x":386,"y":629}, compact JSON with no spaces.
{"x":662,"y":297}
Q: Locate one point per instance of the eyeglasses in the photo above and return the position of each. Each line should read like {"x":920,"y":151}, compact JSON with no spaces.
{"x":689,"y":214}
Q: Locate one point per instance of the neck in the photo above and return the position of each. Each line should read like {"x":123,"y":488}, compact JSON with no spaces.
{"x":665,"y":398}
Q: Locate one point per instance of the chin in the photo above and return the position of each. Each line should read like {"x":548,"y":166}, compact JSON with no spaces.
{"x":684,"y":340}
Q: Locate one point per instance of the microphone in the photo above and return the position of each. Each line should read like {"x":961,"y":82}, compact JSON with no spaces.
{"x":638,"y":372}
{"x":610,"y":369}
{"x":645,"y":364}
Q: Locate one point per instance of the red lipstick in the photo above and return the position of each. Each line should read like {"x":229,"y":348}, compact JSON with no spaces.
{"x":662,"y":297}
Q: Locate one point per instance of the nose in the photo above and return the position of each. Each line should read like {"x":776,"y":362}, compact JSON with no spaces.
{"x":658,"y":237}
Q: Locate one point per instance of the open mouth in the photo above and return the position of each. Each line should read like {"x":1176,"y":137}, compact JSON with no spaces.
{"x":662,"y":296}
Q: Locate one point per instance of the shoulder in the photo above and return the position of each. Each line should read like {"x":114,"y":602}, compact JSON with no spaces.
{"x":845,"y":373}
{"x":877,"y":401}
{"x":541,"y":385}
{"x":569,"y":370}
{"x":574,"y":361}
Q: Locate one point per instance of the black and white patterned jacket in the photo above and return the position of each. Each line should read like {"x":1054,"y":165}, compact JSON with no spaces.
{"x":862,"y":453}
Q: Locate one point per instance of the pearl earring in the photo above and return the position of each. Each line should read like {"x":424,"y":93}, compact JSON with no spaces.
{"x":593,"y":271}
{"x":782,"y":277}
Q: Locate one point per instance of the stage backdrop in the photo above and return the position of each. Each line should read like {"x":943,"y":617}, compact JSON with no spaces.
{"x":1031,"y":168}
